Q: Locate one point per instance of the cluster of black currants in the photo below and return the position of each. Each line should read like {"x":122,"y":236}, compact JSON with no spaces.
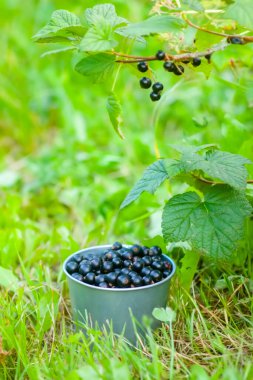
{"x":120,"y":267}
{"x":169,"y":66}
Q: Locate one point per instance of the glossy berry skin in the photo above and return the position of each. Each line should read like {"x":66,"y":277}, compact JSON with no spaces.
{"x":111,"y":277}
{"x":107,"y":266}
{"x":157,"y":250}
{"x":84,"y":269}
{"x":155,"y":97}
{"x":142,"y":67}
{"x":127,"y":255}
{"x":157,"y":87}
{"x":95,"y":263}
{"x":89,"y":278}
{"x":137,"y":250}
{"x":100,"y":278}
{"x":78,"y":258}
{"x":160,"y":55}
{"x":123,"y":281}
{"x":145,"y":250}
{"x":125,"y":271}
{"x":77,"y":276}
{"x":147,"y":280}
{"x":208,"y":57}
{"x":138,"y":265}
{"x":127,"y":264}
{"x":169,"y":66}
{"x":235,"y":40}
{"x":145,"y":82}
{"x":146,"y":271}
{"x":132,"y":273}
{"x":146,"y":260}
{"x":116,"y":246}
{"x":178,"y":70}
{"x":167,"y":265}
{"x":137,"y":281}
{"x":156,"y":275}
{"x":166,"y":273}
{"x":103,"y":285}
{"x":157,"y":265}
{"x":72,"y":267}
{"x":196,"y":62}
{"x":117,"y":262}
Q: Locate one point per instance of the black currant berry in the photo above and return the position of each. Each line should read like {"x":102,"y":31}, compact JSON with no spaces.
{"x":208,"y":57}
{"x":137,"y":281}
{"x":77,"y":276}
{"x":111,"y":277}
{"x":155,"y":97}
{"x":125,"y":271}
{"x":72,"y":267}
{"x":169,"y":66}
{"x":145,"y":82}
{"x":107,"y":266}
{"x":235,"y":40}
{"x":117,"y":245}
{"x":157,"y":250}
{"x":157,"y":87}
{"x":166,"y":273}
{"x":103,"y":285}
{"x":138,"y":265}
{"x":132,"y":273}
{"x":95,"y":263}
{"x":84,"y":269}
{"x":178,"y":70}
{"x":89,"y":278}
{"x":142,"y":66}
{"x":78,"y":258}
{"x":157,"y":265}
{"x":127,"y":255}
{"x":145,"y":250}
{"x":137,"y":250}
{"x":117,"y":262}
{"x":146,"y":260}
{"x":160,"y":55}
{"x":196,"y":62}
{"x":123,"y":281}
{"x":146,"y":271}
{"x":167,"y":265}
{"x":156,"y":275}
{"x":100,"y":278}
{"x":147,"y":280}
{"x":186,"y":61}
{"x":127,"y":264}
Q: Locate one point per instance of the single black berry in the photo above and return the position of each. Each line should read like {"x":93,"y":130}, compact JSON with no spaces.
{"x":84,"y":269}
{"x":127,"y":255}
{"x":157,"y":250}
{"x":167,"y":265}
{"x":127,"y":264}
{"x":169,"y":66}
{"x":196,"y":62}
{"x":142,"y":66}
{"x":117,"y":262}
{"x":147,"y":280}
{"x":100,"y":278}
{"x":145,"y":250}
{"x":137,"y":281}
{"x":72,"y":267}
{"x":160,"y":55}
{"x":138,"y":265}
{"x":103,"y":285}
{"x":107,"y":266}
{"x":146,"y":271}
{"x":132,"y":273}
{"x":157,"y":265}
{"x":156,"y":275}
{"x":111,"y":277}
{"x":146,"y":260}
{"x":137,"y":250}
{"x":157,"y":87}
{"x":155,"y":97}
{"x":109,"y":255}
{"x":235,"y":40}
{"x":123,"y":281}
{"x":95,"y":263}
{"x":125,"y":271}
{"x":78,"y":258}
{"x":117,"y":245}
{"x":178,"y":70}
{"x":89,"y":278}
{"x":166,"y":273}
{"x":208,"y":57}
{"x":77,"y":276}
{"x":145,"y":82}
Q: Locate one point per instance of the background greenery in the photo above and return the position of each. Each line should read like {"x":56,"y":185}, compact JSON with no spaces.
{"x":64,"y":173}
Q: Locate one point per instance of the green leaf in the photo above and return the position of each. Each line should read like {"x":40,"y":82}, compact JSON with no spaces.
{"x":8,"y":280}
{"x":103,"y":11}
{"x":114,"y":111}
{"x":212,"y":225}
{"x":164,"y":315}
{"x":62,"y":26}
{"x":98,"y":38}
{"x":155,"y":24}
{"x":152,"y":178}
{"x":57,"y":51}
{"x":96,"y":66}
{"x":192,"y":4}
{"x":242,"y":12}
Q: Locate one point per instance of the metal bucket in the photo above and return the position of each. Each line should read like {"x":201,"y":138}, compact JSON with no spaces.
{"x":116,"y":305}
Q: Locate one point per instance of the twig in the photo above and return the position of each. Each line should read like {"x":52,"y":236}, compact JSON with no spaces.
{"x":210,"y":182}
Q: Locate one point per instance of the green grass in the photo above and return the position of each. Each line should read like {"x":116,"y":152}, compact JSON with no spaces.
{"x":63,"y":175}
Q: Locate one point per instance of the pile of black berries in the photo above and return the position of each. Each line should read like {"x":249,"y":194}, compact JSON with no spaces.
{"x":120,"y":267}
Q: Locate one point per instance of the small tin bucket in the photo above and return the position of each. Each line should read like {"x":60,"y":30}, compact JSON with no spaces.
{"x":117,"y":306}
